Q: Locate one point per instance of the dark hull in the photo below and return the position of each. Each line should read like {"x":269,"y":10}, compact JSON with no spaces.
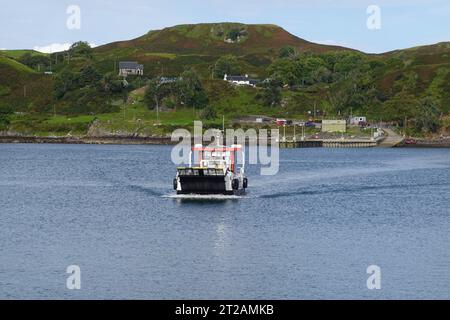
{"x":202,"y":185}
{"x":205,"y":185}
{"x":227,"y":193}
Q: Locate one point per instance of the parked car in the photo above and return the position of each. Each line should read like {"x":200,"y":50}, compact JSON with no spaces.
{"x":410,"y":141}
{"x":363,"y":124}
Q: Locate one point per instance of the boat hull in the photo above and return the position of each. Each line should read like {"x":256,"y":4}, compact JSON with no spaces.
{"x":205,"y":185}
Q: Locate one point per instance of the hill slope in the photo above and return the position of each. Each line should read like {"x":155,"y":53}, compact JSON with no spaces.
{"x":420,"y":71}
{"x":22,"y":87}
{"x":175,"y":48}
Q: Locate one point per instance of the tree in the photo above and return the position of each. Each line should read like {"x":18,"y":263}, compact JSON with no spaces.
{"x":271,"y":93}
{"x":35,"y":61}
{"x":428,"y":115}
{"x":208,"y":113}
{"x":339,"y":98}
{"x":64,"y":82}
{"x":89,"y":76}
{"x":284,"y":70}
{"x":287,"y":52}
{"x":80,"y":49}
{"x":111,"y":82}
{"x":321,"y":74}
{"x":191,"y":91}
{"x":401,"y":106}
{"x":227,"y":64}
{"x":310,"y":67}
{"x":154,"y":94}
{"x":5,"y":114}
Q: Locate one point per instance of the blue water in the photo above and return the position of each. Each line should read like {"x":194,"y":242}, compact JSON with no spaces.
{"x":309,"y":232}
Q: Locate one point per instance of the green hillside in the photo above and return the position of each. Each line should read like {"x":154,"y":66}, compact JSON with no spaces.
{"x":85,"y":88}
{"x":173,"y":49}
{"x":17,"y":54}
{"x":23,"y":88}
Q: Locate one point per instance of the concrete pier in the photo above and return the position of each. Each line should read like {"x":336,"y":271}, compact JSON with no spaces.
{"x":301,"y":144}
{"x":328,"y":143}
{"x":392,"y":139}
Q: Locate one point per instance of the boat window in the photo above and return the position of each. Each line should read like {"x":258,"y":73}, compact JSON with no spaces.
{"x":214,"y":172}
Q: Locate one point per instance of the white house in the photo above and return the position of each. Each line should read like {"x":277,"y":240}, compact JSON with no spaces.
{"x":130,"y":68}
{"x":241,"y":80}
{"x":354,"y":121}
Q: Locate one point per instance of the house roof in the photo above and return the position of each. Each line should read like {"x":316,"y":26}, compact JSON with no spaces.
{"x":130,"y":65}
{"x":243,"y":78}
{"x":237,"y":78}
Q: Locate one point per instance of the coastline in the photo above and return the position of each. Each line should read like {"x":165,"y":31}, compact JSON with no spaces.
{"x":125,"y":140}
{"x":155,"y":140}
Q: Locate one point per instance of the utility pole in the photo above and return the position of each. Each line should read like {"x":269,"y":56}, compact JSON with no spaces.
{"x":294,"y":133}
{"x":157,"y":111}
{"x":405,"y":126}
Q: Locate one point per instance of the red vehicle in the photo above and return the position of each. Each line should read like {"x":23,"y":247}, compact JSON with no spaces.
{"x":410,"y":141}
{"x":363,"y":124}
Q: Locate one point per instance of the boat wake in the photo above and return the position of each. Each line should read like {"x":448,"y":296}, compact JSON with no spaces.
{"x":217,"y":197}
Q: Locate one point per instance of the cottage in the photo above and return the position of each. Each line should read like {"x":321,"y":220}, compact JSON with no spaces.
{"x":241,"y":80}
{"x":130,"y":68}
{"x":355,"y":121}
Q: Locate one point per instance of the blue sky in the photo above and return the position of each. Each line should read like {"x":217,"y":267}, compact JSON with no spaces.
{"x":404,"y":23}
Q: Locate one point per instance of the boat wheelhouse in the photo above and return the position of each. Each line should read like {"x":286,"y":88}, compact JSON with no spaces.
{"x":214,"y":171}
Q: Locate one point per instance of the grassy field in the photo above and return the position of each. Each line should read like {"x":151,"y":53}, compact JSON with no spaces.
{"x":17,"y":66}
{"x":17,"y":54}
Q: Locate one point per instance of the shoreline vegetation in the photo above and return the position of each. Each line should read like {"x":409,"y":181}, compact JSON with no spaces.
{"x":81,"y":95}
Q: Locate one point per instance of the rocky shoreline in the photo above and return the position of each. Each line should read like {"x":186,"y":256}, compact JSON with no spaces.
{"x":89,"y":140}
{"x":154,"y":140}
{"x":427,"y":144}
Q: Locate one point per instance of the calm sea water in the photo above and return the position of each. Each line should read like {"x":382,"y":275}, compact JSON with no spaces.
{"x":309,"y":232}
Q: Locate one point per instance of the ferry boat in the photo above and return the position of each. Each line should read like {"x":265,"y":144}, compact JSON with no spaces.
{"x":216,"y":173}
